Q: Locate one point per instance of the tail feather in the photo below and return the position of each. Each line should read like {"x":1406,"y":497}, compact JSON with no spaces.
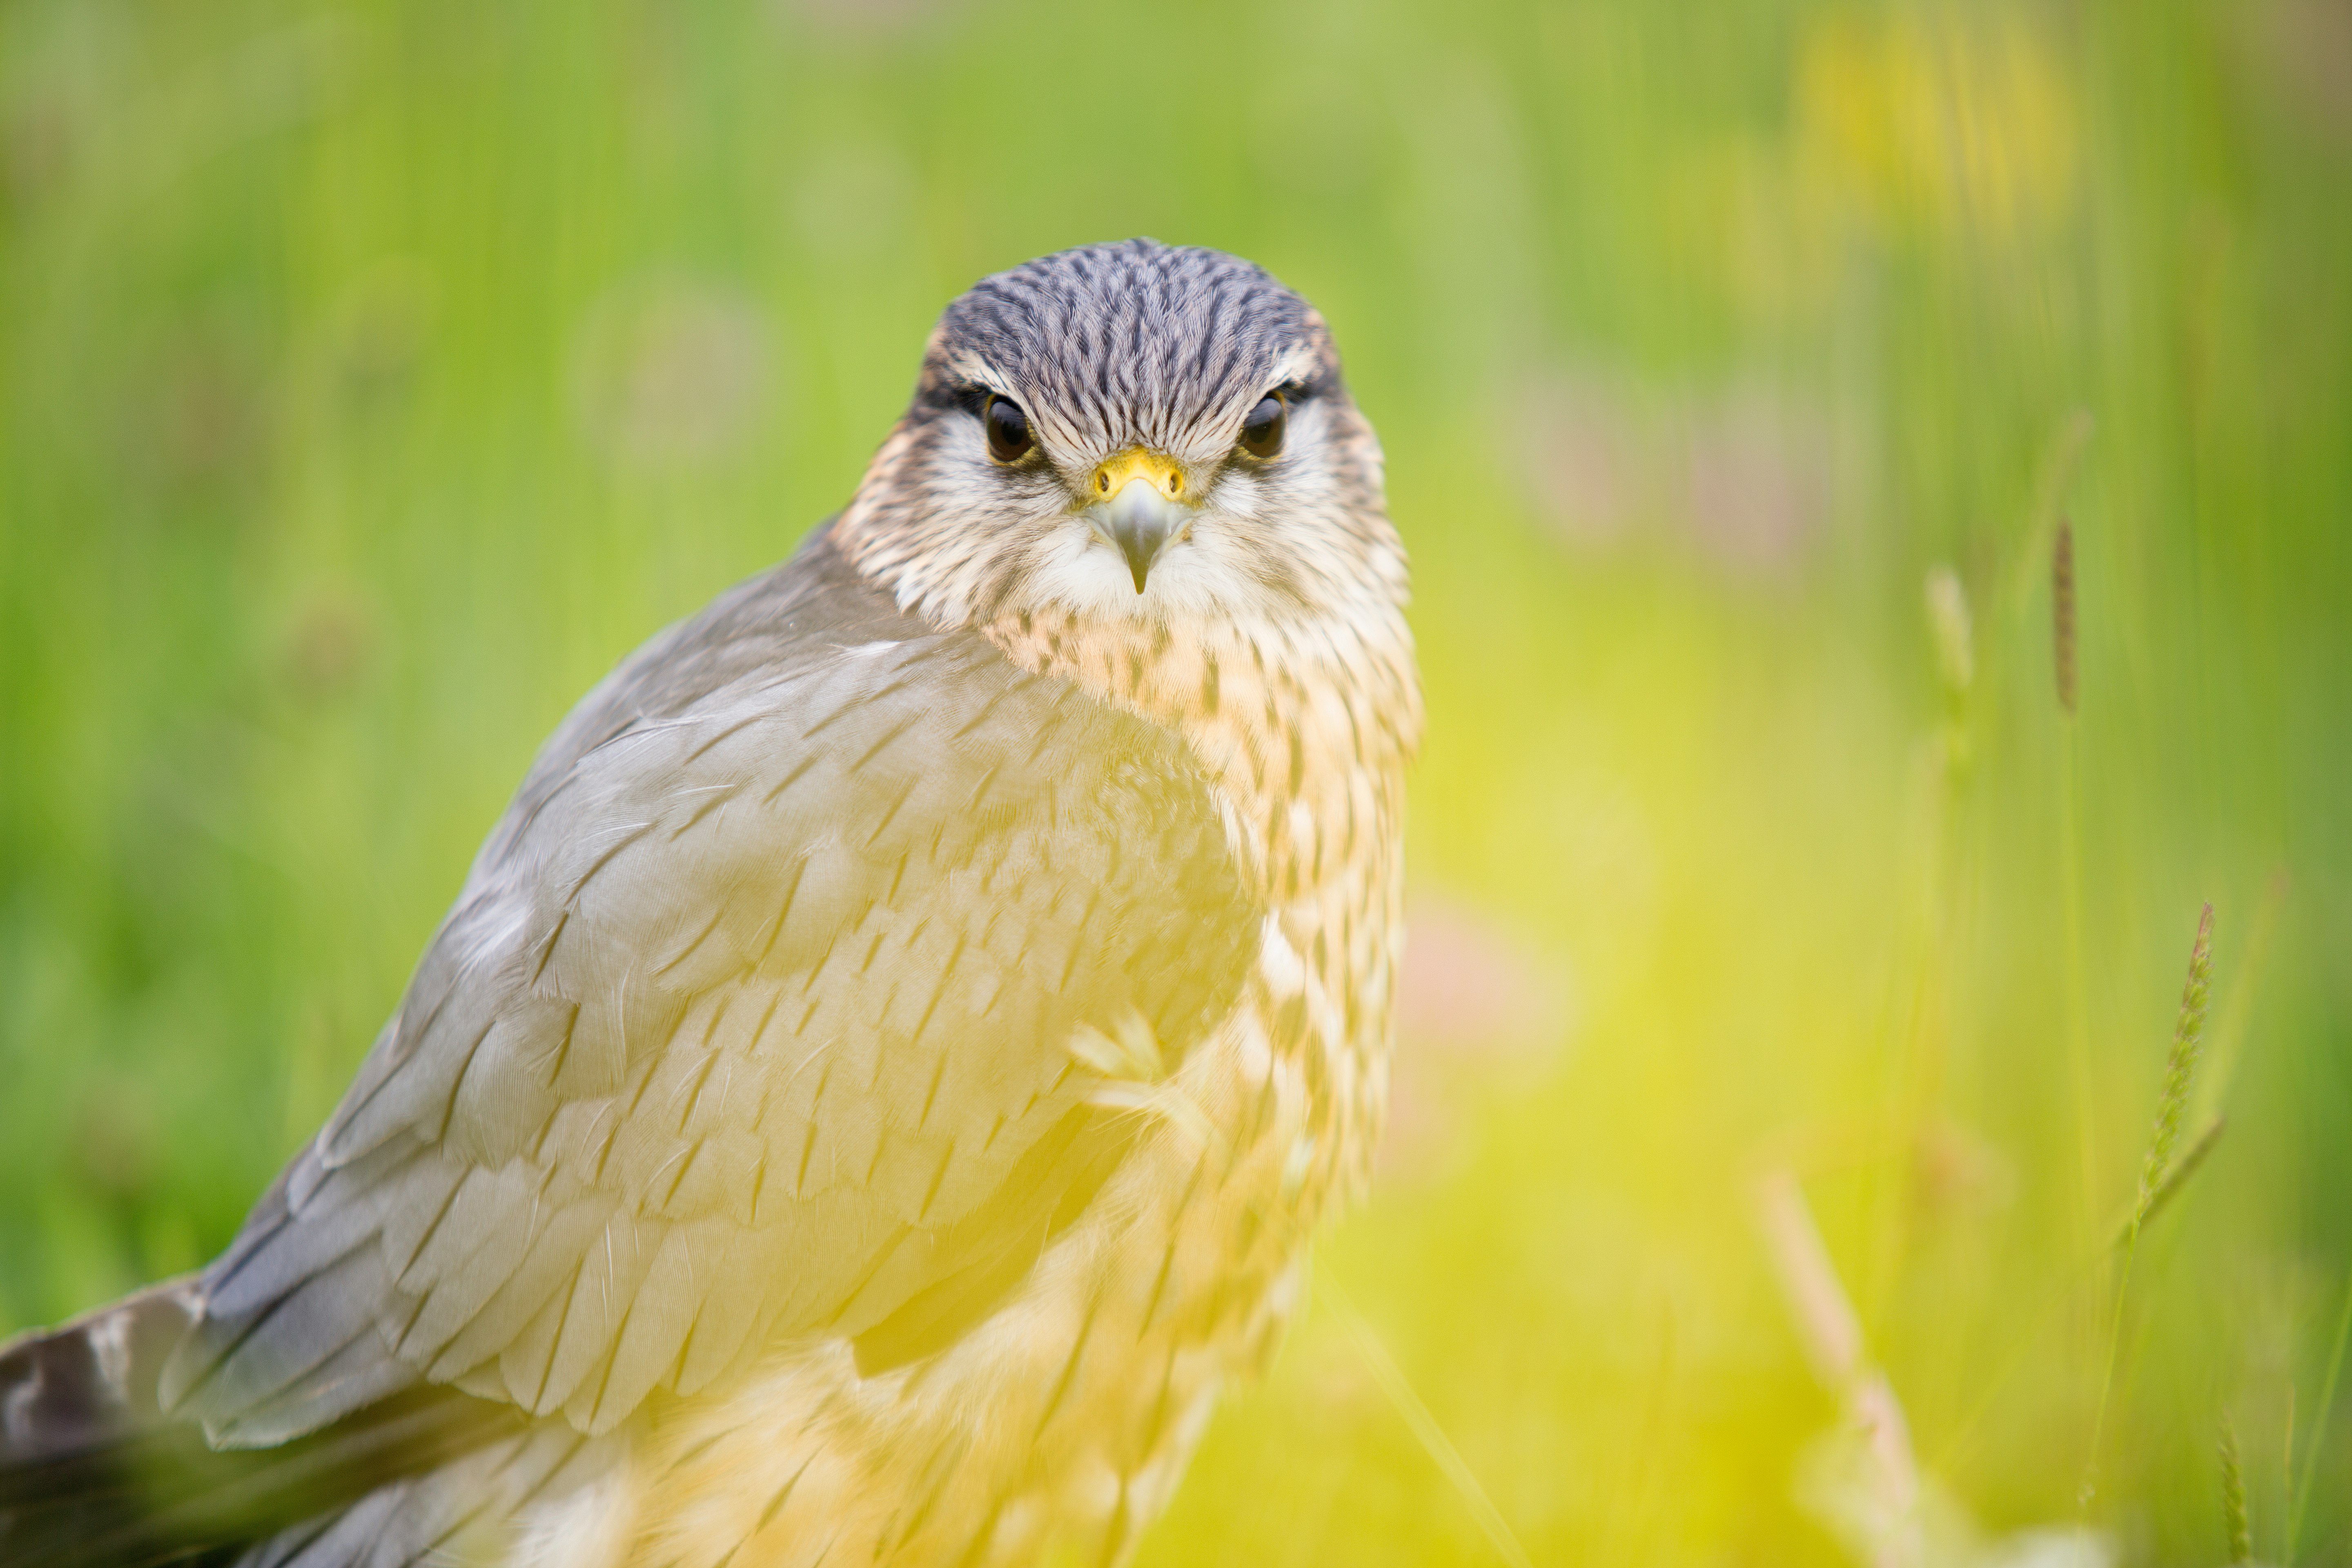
{"x":91,"y":1471}
{"x":82,"y":1387}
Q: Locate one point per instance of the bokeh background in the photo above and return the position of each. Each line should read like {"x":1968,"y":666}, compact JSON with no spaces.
{"x":373,"y":376}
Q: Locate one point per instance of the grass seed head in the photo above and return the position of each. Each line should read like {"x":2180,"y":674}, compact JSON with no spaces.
{"x":2234,"y":1498}
{"x":2179,"y":1066}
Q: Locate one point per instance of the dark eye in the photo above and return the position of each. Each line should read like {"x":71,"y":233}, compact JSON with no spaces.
{"x":1008,"y":429}
{"x":1262,"y":431}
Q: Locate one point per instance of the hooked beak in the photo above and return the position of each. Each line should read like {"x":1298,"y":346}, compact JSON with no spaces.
{"x":1141,"y":514}
{"x":1140,"y":522}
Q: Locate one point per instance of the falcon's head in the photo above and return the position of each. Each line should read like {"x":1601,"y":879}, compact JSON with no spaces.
{"x":1134,"y":431}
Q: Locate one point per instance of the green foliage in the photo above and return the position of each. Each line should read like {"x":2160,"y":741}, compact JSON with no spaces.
{"x":373,"y":375}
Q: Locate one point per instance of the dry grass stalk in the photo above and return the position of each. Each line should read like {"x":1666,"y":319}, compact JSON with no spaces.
{"x":1831,"y":1334}
{"x":2062,"y":613}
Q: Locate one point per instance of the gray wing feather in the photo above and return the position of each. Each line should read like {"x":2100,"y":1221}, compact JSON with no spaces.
{"x":428,"y":1518}
{"x":769,"y":970}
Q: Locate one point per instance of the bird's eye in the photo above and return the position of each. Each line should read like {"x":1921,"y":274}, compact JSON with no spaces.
{"x":1262,"y":431}
{"x":1008,"y":429}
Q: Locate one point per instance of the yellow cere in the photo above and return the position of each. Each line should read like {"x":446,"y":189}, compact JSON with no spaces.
{"x":1155,"y":469}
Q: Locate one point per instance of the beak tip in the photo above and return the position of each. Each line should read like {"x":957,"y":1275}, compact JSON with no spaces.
{"x":1139,"y":523}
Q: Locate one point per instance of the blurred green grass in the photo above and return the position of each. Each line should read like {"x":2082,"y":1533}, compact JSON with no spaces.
{"x":376,"y":375}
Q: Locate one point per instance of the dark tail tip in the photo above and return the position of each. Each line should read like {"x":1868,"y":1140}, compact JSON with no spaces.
{"x":92,"y":1383}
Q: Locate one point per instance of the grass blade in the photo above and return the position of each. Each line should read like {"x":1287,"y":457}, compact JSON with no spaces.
{"x":2319,"y":1427}
{"x":1431,"y":1437}
{"x":2061,"y":615}
{"x":2168,"y":1186}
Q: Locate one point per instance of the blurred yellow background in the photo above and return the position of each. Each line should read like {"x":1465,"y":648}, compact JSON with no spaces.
{"x":373,"y":375}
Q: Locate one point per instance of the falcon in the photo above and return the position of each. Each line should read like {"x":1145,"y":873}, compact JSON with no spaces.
{"x":876,"y":1085}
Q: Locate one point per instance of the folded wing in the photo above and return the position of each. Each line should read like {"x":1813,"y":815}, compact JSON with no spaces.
{"x":752,"y":1020}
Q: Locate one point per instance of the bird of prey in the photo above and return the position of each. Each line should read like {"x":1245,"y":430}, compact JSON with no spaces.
{"x":876,"y":1084}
